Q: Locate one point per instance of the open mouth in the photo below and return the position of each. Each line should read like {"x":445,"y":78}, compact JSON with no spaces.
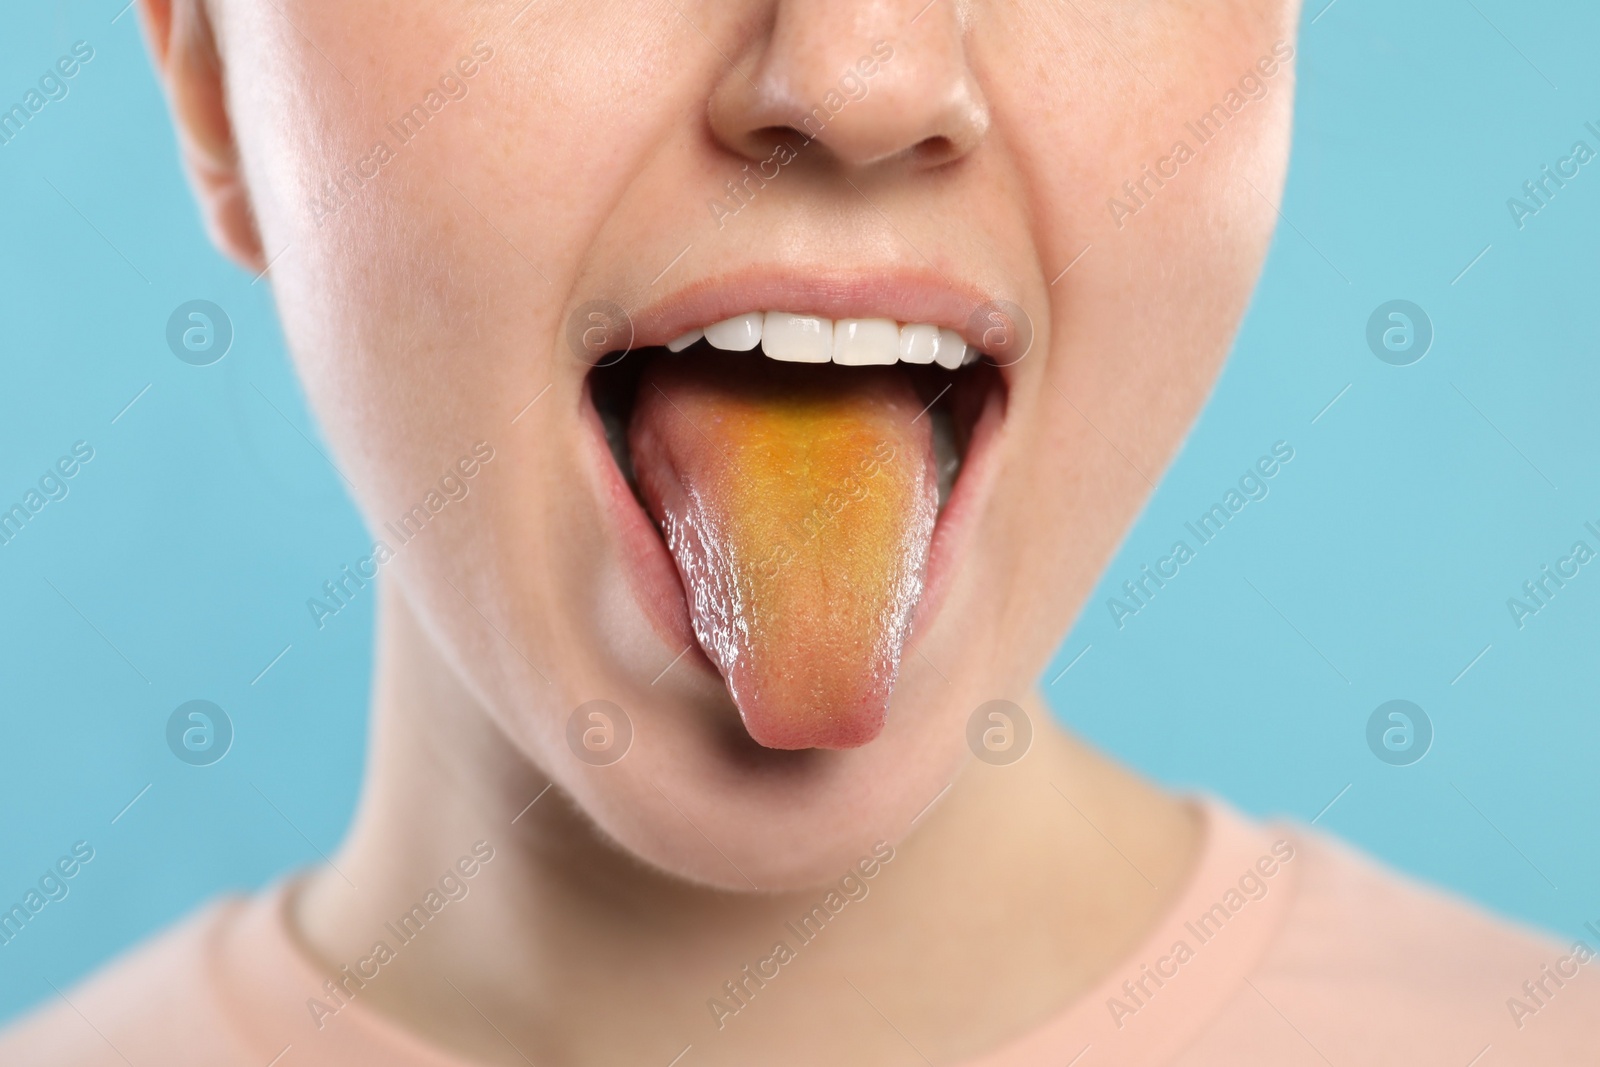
{"x":807,"y":480}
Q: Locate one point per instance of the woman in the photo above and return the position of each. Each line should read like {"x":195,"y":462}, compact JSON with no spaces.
{"x":744,"y":398}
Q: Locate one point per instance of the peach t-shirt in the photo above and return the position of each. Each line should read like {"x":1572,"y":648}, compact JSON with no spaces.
{"x":1284,"y":949}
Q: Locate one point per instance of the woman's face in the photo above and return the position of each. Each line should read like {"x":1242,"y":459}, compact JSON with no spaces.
{"x":452,"y":193}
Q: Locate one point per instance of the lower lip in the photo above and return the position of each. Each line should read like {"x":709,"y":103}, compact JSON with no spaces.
{"x":653,"y":576}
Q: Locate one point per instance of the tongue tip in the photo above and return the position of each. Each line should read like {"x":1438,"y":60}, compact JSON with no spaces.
{"x":815,"y":705}
{"x":837,"y":734}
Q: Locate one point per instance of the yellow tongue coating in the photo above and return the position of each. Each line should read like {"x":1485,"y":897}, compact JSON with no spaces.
{"x":800,"y":513}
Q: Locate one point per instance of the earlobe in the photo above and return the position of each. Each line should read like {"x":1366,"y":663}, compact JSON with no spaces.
{"x":184,"y":50}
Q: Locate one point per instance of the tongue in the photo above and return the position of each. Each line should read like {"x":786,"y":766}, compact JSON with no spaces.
{"x":799,"y":503}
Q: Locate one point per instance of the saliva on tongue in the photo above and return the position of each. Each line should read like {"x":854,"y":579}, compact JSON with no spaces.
{"x":798,"y":502}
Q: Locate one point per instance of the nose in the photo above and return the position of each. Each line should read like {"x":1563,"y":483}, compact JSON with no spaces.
{"x":870,"y":81}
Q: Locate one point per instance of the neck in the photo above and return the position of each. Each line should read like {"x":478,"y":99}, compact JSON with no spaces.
{"x":1011,"y":897}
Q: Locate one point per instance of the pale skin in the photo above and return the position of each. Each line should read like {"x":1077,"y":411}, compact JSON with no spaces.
{"x":428,"y":310}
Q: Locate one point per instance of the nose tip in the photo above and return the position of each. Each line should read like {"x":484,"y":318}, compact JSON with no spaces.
{"x":871,"y":86}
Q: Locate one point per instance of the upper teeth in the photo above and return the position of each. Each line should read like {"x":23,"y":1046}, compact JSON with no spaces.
{"x":813,"y":339}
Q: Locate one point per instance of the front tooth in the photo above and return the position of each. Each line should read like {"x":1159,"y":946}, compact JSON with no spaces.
{"x":738,"y":334}
{"x":919,"y":342}
{"x":970,"y":357}
{"x":952,"y":350}
{"x":797,"y":338}
{"x":866,"y":342}
{"x":680,"y":343}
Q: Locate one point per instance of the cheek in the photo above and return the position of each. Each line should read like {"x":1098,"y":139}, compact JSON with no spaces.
{"x":460,"y":248}
{"x":1142,"y":322}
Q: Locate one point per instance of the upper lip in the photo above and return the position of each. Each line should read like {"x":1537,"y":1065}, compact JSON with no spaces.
{"x":900,"y":294}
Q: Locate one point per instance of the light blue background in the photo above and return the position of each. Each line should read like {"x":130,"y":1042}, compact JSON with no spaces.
{"x":1414,"y":507}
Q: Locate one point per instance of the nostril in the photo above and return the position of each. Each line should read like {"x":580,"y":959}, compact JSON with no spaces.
{"x":768,"y":138}
{"x":765,"y":144}
{"x":767,"y":141}
{"x":935,"y":152}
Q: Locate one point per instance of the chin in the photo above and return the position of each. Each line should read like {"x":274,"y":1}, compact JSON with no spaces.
{"x":698,"y":799}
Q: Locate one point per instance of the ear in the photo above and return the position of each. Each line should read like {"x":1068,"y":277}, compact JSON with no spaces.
{"x":185,"y":53}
